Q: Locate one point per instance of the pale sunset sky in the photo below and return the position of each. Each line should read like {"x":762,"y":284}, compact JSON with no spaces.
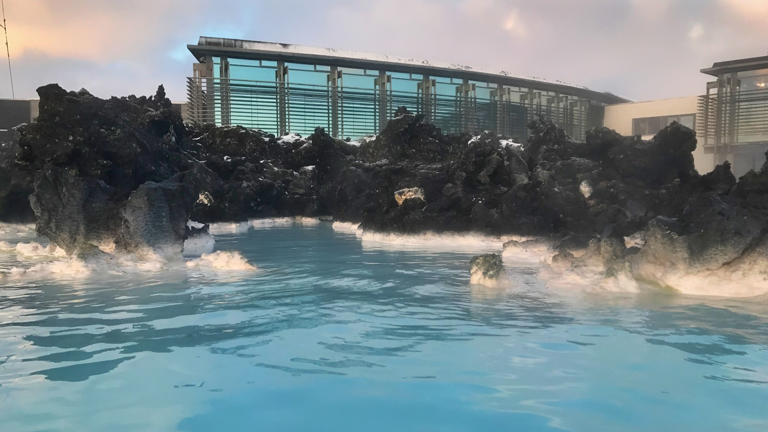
{"x":638,"y":49}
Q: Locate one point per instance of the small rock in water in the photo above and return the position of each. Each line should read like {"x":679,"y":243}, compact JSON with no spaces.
{"x":485,"y":269}
{"x":409,"y":193}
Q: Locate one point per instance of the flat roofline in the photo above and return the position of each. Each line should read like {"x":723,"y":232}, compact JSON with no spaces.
{"x":258,"y":50}
{"x":738,"y":65}
{"x":658,"y":100}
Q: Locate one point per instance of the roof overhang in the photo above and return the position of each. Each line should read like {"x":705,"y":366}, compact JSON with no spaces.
{"x":257,"y":50}
{"x":740,"y":65}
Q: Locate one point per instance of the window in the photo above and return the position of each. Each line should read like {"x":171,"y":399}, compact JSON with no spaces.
{"x":652,"y":125}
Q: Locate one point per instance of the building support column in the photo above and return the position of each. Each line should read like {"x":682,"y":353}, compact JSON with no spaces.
{"x":224,"y":92}
{"x":708,"y":113}
{"x":333,"y":90}
{"x":530,"y":105}
{"x":382,"y":82}
{"x":719,"y":119}
{"x":499,"y":92}
{"x":733,"y":101}
{"x":282,"y":100}
{"x":426,"y":87}
{"x":208,"y":105}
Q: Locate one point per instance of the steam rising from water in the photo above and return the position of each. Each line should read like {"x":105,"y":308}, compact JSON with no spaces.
{"x":25,"y":257}
{"x":257,"y":224}
{"x":22,"y":256}
{"x":426,"y":241}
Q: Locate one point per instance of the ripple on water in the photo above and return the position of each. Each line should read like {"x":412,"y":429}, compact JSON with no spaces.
{"x":398,"y":338}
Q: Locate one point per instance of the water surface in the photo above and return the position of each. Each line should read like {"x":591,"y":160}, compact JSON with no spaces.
{"x":331,"y":336}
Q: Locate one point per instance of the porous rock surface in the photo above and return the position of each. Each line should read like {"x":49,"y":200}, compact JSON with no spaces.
{"x":486,"y":269}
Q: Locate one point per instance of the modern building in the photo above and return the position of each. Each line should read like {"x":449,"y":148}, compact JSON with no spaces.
{"x":283,"y":88}
{"x":645,"y":119}
{"x":14,"y":112}
{"x":733,"y":114}
{"x":730,"y":119}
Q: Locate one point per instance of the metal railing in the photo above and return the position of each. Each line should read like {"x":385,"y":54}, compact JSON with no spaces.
{"x":729,"y":120}
{"x":279,"y":108}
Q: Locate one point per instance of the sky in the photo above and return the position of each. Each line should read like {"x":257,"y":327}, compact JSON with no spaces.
{"x":637,"y":49}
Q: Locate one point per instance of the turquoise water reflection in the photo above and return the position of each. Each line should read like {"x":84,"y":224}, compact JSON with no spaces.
{"x":331,"y":336}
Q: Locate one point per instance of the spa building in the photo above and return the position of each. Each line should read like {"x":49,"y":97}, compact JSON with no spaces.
{"x":283,"y":88}
{"x":730,"y":118}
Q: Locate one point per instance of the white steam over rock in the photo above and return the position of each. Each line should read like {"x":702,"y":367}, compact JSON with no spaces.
{"x":198,"y":245}
{"x":33,"y":259}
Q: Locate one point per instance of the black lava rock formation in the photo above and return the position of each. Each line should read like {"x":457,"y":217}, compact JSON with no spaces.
{"x":108,"y":171}
{"x":128,"y":171}
{"x":15,"y":185}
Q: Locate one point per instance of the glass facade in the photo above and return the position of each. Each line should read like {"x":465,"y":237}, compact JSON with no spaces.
{"x":732,"y":122}
{"x":289,"y":93}
{"x":648,"y":126}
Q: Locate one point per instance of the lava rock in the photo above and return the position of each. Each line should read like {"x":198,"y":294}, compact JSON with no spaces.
{"x":486,"y":269}
{"x":15,"y":184}
{"x":409,"y":193}
{"x":88,"y":156}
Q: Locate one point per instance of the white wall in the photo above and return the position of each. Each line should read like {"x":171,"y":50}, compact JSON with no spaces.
{"x":619,"y":118}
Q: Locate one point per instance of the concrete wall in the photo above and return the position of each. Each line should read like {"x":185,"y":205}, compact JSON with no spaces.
{"x":619,"y":118}
{"x":14,"y":112}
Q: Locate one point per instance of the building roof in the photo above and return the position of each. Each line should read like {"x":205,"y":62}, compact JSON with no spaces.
{"x":739,"y":65}
{"x":238,"y":48}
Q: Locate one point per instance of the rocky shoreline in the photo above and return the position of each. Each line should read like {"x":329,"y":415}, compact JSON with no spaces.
{"x":125,"y":174}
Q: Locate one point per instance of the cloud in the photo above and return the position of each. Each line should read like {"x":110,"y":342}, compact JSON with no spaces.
{"x":749,"y":10}
{"x":653,"y":10}
{"x":640,"y":49}
{"x":696,"y":32}
{"x":514,"y":25}
{"x":86,"y":30}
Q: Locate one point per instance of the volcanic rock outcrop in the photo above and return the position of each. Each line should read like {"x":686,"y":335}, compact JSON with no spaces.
{"x":486,"y":269}
{"x":127,"y":171}
{"x":108,"y":172}
{"x":15,"y":184}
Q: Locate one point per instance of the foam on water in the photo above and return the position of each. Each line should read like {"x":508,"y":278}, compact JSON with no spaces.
{"x":33,"y":258}
{"x":223,"y":228}
{"x":8,"y":230}
{"x":428,"y":241}
{"x":37,"y":250}
{"x":229,"y":228}
{"x":68,"y":268}
{"x":747,"y":277}
{"x":588,"y":272}
{"x":527,"y":251}
{"x":198,"y":245}
{"x":221,"y":260}
{"x":346,"y":227}
{"x":38,"y":260}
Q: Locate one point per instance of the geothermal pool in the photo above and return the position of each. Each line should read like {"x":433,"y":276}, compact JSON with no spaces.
{"x":332,"y":333}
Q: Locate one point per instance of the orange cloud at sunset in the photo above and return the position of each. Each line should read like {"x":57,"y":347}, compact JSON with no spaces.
{"x":640,"y":49}
{"x":93,"y":30}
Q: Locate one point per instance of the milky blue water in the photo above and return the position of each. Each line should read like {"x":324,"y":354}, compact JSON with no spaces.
{"x":328,"y":336}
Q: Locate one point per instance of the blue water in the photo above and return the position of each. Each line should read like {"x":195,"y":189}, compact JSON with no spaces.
{"x":329,"y":336}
